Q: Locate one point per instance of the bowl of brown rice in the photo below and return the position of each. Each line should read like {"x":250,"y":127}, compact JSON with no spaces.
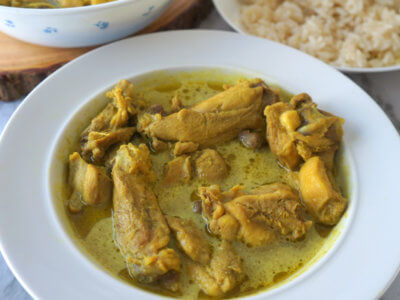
{"x":351,"y":35}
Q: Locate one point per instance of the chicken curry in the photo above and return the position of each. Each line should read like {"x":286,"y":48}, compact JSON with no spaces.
{"x":51,"y":3}
{"x":199,"y":189}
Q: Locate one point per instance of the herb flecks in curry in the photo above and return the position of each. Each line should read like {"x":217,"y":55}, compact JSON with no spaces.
{"x":216,"y":188}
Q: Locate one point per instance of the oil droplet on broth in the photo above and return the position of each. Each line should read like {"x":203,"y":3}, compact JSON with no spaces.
{"x":164,"y":88}
{"x":217,"y":86}
{"x":280,"y":276}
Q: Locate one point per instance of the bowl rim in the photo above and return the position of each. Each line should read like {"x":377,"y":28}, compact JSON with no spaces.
{"x":228,"y":19}
{"x":67,"y":10}
{"x":373,"y":282}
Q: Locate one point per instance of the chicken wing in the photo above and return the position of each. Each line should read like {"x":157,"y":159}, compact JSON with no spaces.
{"x":256,"y":218}
{"x":296,"y":131}
{"x":213,"y":121}
{"x":319,"y":192}
{"x":141,"y":231}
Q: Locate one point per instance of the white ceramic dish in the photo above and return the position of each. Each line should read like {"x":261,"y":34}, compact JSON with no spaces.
{"x":80,"y":26}
{"x":230,"y":11}
{"x":34,"y":239}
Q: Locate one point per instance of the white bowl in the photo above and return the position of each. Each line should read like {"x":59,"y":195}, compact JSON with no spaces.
{"x":230,"y":12}
{"x":34,"y":236}
{"x":80,"y":26}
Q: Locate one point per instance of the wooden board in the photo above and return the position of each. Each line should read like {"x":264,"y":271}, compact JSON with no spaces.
{"x":23,"y":65}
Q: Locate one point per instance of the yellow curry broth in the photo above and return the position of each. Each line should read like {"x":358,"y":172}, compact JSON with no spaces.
{"x":265,"y":266}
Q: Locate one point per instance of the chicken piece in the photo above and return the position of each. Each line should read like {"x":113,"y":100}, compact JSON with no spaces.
{"x":90,"y":184}
{"x":176,"y":104}
{"x":213,"y":121}
{"x":158,"y":146}
{"x":328,"y":157}
{"x":170,"y":281}
{"x":296,"y":131}
{"x":116,"y":114}
{"x":190,"y":239}
{"x":290,"y":120}
{"x":320,"y":131}
{"x":281,"y":142}
{"x":107,"y":126}
{"x":98,"y":142}
{"x":178,"y":170}
{"x":141,"y":231}
{"x":319,"y":192}
{"x":210,"y":165}
{"x":109,"y":158}
{"x":221,"y":275}
{"x":185,"y":147}
{"x":241,"y":95}
{"x":270,"y":188}
{"x":101,"y":122}
{"x":256,"y":218}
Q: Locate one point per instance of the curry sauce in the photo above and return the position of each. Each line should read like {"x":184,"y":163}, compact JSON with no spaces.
{"x":265,"y":266}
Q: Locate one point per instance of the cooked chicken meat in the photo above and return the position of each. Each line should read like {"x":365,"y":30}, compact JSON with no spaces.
{"x":185,"y":148}
{"x":221,"y":275}
{"x":141,"y":231}
{"x":178,"y":170}
{"x":213,"y":121}
{"x":175,"y":233}
{"x":190,"y":239}
{"x":216,"y":274}
{"x":176,"y":104}
{"x":210,"y":165}
{"x":117,"y":112}
{"x":99,"y":142}
{"x":280,"y":141}
{"x":158,"y":146}
{"x":319,"y":192}
{"x":106,"y":128}
{"x":296,"y":131}
{"x":207,"y":164}
{"x":90,"y":184}
{"x":256,"y":218}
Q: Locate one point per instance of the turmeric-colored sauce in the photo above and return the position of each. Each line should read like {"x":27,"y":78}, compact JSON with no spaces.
{"x":267,"y":266}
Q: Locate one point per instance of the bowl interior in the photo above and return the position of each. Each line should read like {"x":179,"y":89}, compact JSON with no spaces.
{"x":67,"y":142}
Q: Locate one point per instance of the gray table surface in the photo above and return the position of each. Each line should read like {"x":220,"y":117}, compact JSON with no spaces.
{"x":384,"y":89}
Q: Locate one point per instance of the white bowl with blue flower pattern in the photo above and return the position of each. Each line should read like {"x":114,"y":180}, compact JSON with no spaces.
{"x":80,"y":26}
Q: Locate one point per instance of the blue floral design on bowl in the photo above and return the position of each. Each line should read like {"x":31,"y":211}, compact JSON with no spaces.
{"x":102,"y":24}
{"x":9,"y":23}
{"x":50,"y":30}
{"x":148,"y":11}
